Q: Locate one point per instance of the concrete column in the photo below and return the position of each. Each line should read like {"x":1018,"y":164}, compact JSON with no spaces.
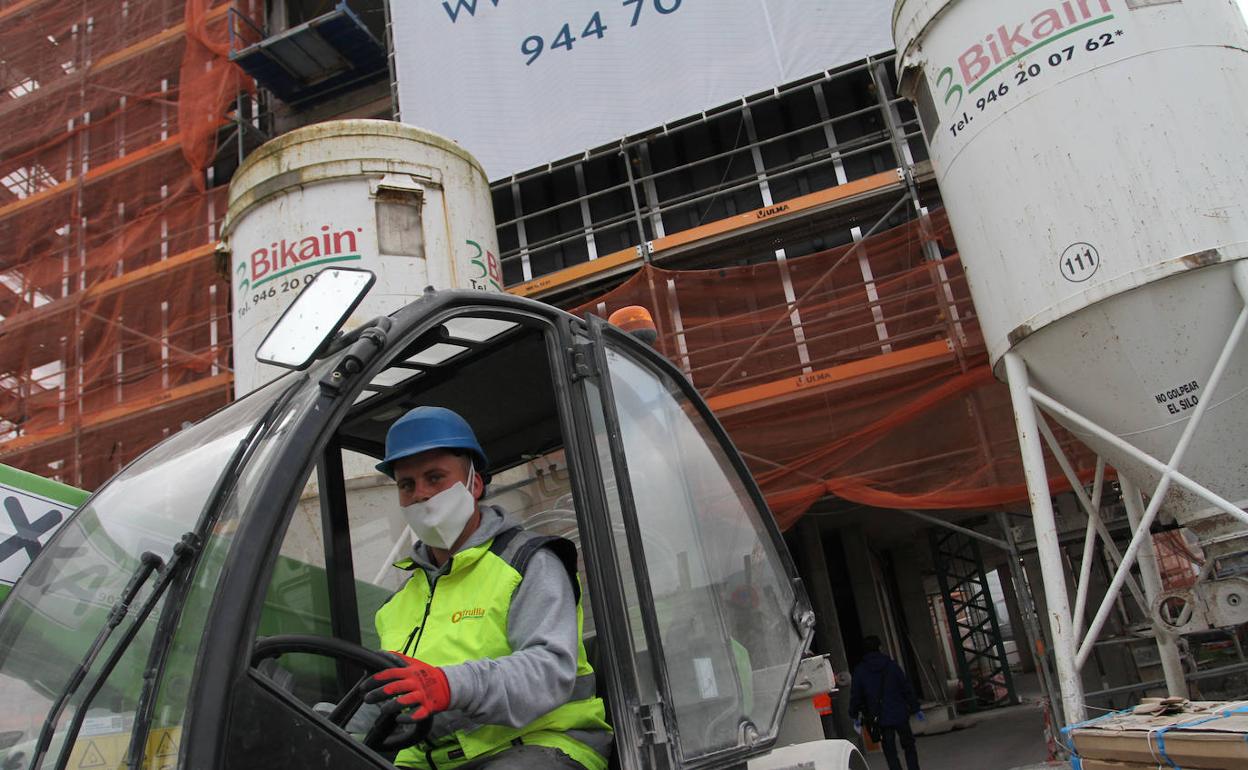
{"x":814,"y":569}
{"x":865,"y":586}
{"x":1022,"y":639}
{"x":909,"y":564}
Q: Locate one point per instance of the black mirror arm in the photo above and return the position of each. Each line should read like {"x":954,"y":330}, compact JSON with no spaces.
{"x":344,"y":339}
{"x":361,"y":345}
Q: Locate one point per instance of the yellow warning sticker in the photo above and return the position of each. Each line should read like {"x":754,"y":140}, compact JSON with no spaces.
{"x":108,"y":751}
{"x":91,"y":757}
{"x":167,"y":747}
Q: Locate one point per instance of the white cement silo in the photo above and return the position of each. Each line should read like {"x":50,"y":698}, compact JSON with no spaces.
{"x":1091,"y":157}
{"x":409,"y":205}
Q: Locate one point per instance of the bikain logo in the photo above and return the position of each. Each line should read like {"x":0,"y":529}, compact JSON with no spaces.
{"x":1011,"y":41}
{"x":288,"y":255}
{"x":475,"y":612}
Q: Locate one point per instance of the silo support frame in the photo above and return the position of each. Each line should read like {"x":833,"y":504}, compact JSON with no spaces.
{"x":1167,"y":645}
{"x":1071,"y":653}
{"x":1096,"y":528}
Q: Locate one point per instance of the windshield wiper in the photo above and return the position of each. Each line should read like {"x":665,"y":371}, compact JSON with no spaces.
{"x":148,"y":563}
{"x":156,"y":657}
{"x":182,"y":550}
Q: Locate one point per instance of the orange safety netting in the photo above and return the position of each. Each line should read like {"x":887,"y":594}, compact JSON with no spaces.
{"x":114,"y":326}
{"x":1179,"y":561}
{"x":858,"y":372}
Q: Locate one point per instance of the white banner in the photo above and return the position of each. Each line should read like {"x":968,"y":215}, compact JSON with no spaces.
{"x":521,"y":83}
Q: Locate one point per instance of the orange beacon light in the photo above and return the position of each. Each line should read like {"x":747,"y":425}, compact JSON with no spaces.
{"x":637,"y":321}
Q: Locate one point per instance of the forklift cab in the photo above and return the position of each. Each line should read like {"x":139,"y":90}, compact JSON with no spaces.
{"x":212,"y":605}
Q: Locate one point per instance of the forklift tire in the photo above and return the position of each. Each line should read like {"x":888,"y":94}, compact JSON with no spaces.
{"x":381,"y":737}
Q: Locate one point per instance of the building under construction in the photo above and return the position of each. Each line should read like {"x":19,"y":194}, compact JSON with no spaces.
{"x":791,"y":246}
{"x":115,"y":325}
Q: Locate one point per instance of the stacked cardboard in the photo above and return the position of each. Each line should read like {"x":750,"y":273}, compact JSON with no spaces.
{"x":1164,"y":733}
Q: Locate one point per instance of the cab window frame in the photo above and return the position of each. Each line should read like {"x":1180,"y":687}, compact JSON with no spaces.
{"x":604,"y":336}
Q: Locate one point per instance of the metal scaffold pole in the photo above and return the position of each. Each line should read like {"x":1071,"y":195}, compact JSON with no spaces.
{"x":1167,"y":644}
{"x":1047,"y":544}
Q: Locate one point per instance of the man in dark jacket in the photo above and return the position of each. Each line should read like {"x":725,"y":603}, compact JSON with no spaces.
{"x":881,"y":689}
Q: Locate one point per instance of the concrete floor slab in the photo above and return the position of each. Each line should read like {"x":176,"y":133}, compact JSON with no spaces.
{"x":1010,"y":738}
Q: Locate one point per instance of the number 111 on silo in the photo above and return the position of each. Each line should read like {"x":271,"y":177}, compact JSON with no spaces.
{"x":1079,"y":261}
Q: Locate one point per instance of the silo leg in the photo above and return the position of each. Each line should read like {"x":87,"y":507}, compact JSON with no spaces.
{"x":1167,"y":645}
{"x":1047,"y":545}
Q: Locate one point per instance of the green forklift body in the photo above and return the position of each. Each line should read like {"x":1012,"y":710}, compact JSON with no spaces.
{"x":34,"y":507}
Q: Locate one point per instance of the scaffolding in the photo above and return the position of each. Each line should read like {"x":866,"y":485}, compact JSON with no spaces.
{"x":114,"y":327}
{"x":982,"y":665}
{"x":838,"y":142}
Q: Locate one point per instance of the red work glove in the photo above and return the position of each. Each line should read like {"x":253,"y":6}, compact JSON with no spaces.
{"x":415,"y":683}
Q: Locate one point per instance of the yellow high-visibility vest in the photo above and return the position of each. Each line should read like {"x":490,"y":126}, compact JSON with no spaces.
{"x":465,"y":618}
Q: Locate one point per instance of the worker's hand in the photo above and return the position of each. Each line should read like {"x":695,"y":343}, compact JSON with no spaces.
{"x":858,"y":726}
{"x":385,"y":728}
{"x":405,"y":734}
{"x":919,"y":715}
{"x":414,"y":683}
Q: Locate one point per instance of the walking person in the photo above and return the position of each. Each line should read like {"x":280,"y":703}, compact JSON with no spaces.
{"x":882,"y":700}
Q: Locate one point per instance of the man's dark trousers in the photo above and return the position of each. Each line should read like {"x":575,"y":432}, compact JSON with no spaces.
{"x":907,"y":745}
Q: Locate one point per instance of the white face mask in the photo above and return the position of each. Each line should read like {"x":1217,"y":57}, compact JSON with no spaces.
{"x":440,"y":520}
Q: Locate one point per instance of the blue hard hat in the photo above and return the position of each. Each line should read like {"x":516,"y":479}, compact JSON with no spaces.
{"x":430,"y":427}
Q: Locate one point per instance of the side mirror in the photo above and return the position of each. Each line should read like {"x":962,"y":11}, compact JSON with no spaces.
{"x":314,"y":317}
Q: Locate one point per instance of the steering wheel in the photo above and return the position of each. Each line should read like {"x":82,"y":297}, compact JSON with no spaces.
{"x":371,"y":661}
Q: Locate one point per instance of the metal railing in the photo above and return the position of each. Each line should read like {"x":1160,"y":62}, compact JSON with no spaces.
{"x":743,"y":169}
{"x":244,"y":32}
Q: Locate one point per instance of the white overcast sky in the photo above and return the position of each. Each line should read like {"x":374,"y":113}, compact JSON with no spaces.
{"x":1243,"y":5}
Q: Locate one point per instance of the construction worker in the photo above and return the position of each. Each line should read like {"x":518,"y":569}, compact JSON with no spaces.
{"x":881,"y":696}
{"x":488,"y":626}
